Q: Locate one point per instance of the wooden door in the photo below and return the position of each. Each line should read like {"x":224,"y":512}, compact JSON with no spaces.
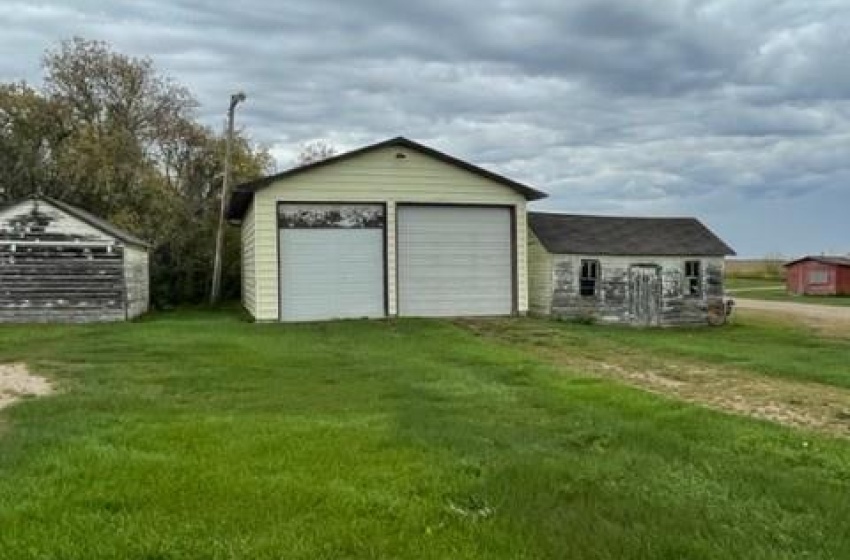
{"x":645,"y":295}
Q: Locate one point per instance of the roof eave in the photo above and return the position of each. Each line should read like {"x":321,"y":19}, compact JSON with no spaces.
{"x":251,"y":187}
{"x":116,"y":232}
{"x":623,"y":254}
{"x":815,"y":259}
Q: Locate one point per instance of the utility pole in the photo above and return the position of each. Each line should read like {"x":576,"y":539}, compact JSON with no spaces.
{"x":215,"y":292}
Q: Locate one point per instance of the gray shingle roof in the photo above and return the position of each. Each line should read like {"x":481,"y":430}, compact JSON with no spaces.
{"x":612,"y":235}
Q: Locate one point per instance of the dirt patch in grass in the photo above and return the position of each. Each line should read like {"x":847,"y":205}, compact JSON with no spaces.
{"x":808,"y":405}
{"x":16,"y":383}
{"x":830,"y":320}
{"x":801,"y":404}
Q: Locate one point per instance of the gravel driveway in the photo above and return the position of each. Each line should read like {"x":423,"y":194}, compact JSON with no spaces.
{"x":808,"y":311}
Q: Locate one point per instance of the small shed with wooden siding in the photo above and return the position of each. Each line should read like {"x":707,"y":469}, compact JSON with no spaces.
{"x":819,"y":276}
{"x":392,"y":229}
{"x":59,"y":263}
{"x":638,"y":271}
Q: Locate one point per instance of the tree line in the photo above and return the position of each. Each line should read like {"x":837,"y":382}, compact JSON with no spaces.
{"x":109,"y":133}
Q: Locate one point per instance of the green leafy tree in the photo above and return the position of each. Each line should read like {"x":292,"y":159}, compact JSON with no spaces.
{"x":109,"y":133}
{"x":33,"y":129}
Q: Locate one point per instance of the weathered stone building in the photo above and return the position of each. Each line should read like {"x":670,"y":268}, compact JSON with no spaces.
{"x":638,"y":271}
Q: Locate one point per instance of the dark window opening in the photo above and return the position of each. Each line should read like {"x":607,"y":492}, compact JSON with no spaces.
{"x":693,"y":278}
{"x":589,"y":278}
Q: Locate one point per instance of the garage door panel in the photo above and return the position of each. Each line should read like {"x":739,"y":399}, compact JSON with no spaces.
{"x":328,"y":270}
{"x":455,"y":261}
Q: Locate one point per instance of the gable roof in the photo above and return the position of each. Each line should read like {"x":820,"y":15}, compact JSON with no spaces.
{"x":612,"y":235}
{"x":243,"y":195}
{"x":95,"y":222}
{"x":823,"y":259}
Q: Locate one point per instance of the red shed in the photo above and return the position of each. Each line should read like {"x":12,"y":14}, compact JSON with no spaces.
{"x":819,"y":276}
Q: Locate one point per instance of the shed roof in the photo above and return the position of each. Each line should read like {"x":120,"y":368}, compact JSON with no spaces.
{"x":96,"y":222}
{"x":243,"y":195}
{"x":627,"y":236}
{"x":823,"y":259}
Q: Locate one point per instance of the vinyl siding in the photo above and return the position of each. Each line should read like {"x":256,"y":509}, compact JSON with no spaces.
{"x":539,"y":277}
{"x":249,"y":276}
{"x":377,"y":176}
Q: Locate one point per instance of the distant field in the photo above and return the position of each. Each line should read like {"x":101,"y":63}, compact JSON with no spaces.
{"x":771,"y":269}
{"x":753,"y":284}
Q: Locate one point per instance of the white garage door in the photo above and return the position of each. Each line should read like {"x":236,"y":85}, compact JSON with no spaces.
{"x":331,"y":261}
{"x":454,"y":261}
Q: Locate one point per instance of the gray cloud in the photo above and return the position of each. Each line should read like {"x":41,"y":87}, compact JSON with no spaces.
{"x":734,"y":110}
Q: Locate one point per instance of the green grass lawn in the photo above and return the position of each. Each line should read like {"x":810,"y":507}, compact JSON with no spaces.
{"x":733,"y":283}
{"x":196,"y":435}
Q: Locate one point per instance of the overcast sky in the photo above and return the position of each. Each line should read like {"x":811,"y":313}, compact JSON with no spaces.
{"x":735,"y":111}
